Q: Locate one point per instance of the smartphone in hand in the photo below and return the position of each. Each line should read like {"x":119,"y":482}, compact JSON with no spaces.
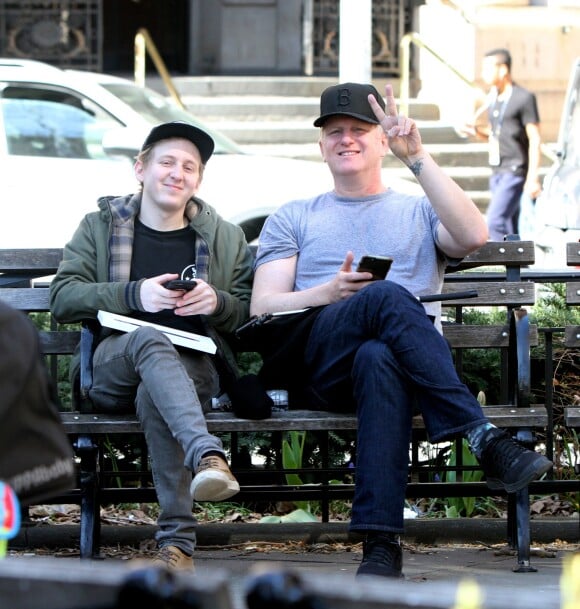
{"x":377,"y":265}
{"x":180,"y":284}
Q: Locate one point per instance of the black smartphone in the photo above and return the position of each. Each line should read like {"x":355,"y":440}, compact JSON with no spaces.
{"x":180,"y":284}
{"x":377,"y":265}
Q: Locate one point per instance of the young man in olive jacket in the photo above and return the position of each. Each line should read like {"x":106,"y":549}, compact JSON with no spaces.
{"x":118,"y":260}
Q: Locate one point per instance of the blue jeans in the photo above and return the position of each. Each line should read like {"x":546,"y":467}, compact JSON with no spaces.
{"x":503,"y":211}
{"x":379,"y":353}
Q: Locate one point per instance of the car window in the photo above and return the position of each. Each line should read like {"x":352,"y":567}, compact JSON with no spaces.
{"x":50,"y":122}
{"x":155,"y":108}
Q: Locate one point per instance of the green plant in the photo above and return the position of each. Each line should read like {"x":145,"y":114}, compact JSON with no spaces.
{"x":462,"y":506}
{"x":292,"y":454}
{"x":551,"y":310}
{"x":213,"y":512}
{"x":113,"y":454}
{"x":249,"y":362}
{"x":298,"y":515}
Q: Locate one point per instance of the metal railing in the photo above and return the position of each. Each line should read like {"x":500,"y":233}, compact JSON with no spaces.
{"x":144,"y":44}
{"x":405,"y":46}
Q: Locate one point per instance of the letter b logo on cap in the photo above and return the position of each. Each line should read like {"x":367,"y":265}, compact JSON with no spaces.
{"x":343,"y":97}
{"x":349,"y":99}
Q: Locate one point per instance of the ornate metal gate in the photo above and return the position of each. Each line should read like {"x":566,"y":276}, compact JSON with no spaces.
{"x":390,"y":20}
{"x":64,"y":33}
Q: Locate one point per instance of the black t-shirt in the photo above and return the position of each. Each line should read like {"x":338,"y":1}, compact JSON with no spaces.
{"x":157,"y":252}
{"x":521,"y":109}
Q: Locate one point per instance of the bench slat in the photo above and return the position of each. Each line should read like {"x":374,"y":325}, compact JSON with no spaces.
{"x":572,"y":416}
{"x":291,"y":420}
{"x":573,"y":293}
{"x":477,"y":337}
{"x":573,"y":254}
{"x":26,"y":299}
{"x":572,"y":336}
{"x":517,"y":253}
{"x":26,"y":260}
{"x":493,"y":293}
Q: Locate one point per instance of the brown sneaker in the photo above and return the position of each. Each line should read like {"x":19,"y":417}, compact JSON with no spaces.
{"x":213,"y":480}
{"x":171,"y":557}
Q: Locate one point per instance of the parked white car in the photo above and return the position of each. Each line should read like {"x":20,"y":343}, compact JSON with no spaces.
{"x":60,"y":129}
{"x":557,"y":210}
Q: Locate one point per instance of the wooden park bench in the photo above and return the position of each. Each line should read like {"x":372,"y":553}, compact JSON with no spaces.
{"x":494,"y":271}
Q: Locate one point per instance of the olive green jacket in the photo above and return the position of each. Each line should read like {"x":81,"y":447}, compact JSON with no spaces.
{"x":94,"y":273}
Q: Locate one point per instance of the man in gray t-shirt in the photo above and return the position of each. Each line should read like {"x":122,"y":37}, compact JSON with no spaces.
{"x":372,"y":347}
{"x":403,"y":227}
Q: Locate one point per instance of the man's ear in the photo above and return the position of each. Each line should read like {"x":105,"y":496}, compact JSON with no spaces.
{"x":321,"y":150}
{"x":385,"y":142}
{"x":138,"y":170}
{"x":200,"y":180}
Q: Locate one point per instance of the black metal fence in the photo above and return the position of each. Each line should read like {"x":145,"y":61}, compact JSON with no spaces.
{"x":390,"y":21}
{"x":67,"y":34}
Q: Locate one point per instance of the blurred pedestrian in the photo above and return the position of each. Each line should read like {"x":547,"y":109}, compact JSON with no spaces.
{"x":510,"y":122}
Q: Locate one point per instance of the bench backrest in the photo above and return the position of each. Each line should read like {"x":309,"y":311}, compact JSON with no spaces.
{"x":25,"y":265}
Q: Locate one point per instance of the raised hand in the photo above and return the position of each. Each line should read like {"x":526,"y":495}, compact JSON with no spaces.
{"x":404,"y":138}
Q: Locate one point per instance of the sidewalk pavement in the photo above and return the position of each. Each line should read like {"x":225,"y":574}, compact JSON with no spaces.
{"x":327,"y":558}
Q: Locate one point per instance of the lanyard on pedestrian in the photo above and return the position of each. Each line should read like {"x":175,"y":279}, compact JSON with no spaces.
{"x":498,"y":114}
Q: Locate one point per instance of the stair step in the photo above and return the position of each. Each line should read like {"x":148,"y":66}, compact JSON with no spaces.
{"x":460,"y":154}
{"x":302,"y":132}
{"x":274,"y":108}
{"x":246,"y":85}
{"x":471,"y":179}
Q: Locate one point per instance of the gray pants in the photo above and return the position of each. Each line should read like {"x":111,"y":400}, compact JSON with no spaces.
{"x":168,"y":389}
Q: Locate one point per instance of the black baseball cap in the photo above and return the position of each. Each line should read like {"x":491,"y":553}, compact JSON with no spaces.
{"x":350,"y":99}
{"x":199,"y":138}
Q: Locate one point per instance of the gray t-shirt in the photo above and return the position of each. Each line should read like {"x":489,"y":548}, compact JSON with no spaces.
{"x":321,"y":230}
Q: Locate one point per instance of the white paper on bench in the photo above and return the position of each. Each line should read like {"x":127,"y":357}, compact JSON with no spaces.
{"x":177,"y":337}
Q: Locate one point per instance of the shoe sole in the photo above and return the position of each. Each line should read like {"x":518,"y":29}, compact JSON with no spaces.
{"x":213,"y":486}
{"x":533,"y":472}
{"x":378,"y":572}
{"x":396,"y":575}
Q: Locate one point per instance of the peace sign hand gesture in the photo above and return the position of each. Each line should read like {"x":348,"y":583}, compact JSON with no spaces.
{"x":404,"y":138}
